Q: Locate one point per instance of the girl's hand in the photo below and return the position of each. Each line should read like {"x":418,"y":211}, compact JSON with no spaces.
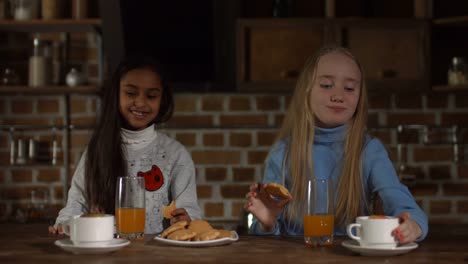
{"x":58,"y":231}
{"x":179,"y":214}
{"x":263,"y":206}
{"x":408,"y":230}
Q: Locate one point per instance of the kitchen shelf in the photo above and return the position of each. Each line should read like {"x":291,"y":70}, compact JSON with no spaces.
{"x":65,"y":27}
{"x":452,"y":21}
{"x":53,"y":90}
{"x":38,"y":165}
{"x":450,"y":88}
{"x":14,"y":128}
{"x":55,"y":25}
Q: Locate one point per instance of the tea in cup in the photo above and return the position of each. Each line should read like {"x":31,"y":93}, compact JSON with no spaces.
{"x":374,"y":231}
{"x":90,"y":229}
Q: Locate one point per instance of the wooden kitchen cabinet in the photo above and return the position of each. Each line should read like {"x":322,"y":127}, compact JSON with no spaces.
{"x":271,"y":52}
{"x":403,"y":45}
{"x":394,"y":53}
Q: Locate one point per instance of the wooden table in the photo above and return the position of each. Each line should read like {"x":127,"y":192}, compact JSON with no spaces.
{"x":30,"y":243}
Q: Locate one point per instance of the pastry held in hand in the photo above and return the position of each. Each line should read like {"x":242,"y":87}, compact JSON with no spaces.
{"x":277,"y":190}
{"x":167,"y":210}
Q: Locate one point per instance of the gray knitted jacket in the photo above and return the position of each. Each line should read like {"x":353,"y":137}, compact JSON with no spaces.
{"x":153,"y":154}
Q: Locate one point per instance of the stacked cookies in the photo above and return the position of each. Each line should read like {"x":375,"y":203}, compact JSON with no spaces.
{"x":197,"y":230}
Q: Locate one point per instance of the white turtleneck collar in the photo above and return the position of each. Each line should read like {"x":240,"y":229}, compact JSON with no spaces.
{"x":139,"y":137}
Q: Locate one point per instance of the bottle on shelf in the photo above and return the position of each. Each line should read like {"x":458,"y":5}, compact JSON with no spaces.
{"x":39,"y":64}
{"x":458,"y":72}
{"x":21,"y":158}
{"x":12,"y":147}
{"x":32,"y":150}
{"x":79,"y":9}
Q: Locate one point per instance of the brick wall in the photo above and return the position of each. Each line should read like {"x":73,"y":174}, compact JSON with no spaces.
{"x":229,"y":136}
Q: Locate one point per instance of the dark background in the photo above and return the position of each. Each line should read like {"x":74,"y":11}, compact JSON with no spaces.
{"x":196,"y":39}
{"x":178,"y":33}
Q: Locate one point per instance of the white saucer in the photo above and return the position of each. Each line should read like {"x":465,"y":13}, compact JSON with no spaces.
{"x":354,"y":246}
{"x":113,"y":245}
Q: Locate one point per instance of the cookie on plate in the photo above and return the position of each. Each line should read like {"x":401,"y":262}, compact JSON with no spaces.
{"x":199,"y":226}
{"x":177,"y":226}
{"x":277,"y":190}
{"x":224,"y":233}
{"x":207,"y":235}
{"x":181,"y":235}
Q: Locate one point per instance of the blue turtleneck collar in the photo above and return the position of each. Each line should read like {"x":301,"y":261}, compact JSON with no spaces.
{"x":326,"y":135}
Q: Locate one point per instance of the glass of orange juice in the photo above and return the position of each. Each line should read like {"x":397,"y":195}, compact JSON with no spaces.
{"x":130,"y":207}
{"x":318,"y":216}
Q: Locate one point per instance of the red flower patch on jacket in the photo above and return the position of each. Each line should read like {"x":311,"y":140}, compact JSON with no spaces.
{"x":154,"y":178}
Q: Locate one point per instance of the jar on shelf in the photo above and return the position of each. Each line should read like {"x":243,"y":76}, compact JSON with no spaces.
{"x":51,"y":9}
{"x":24,"y":9}
{"x":74,"y":78}
{"x":458,"y":72}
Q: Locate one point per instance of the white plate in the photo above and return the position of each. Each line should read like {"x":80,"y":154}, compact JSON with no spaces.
{"x":209,"y":243}
{"x":369,"y":251}
{"x":113,"y":245}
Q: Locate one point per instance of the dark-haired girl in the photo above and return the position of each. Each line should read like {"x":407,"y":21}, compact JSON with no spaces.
{"x":127,"y":143}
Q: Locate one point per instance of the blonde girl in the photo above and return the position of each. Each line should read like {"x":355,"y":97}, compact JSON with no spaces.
{"x":324,"y":136}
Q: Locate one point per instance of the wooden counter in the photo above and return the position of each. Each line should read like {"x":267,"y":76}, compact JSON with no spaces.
{"x":30,"y":243}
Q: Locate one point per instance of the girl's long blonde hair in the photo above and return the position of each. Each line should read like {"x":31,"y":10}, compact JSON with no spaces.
{"x":298,"y":127}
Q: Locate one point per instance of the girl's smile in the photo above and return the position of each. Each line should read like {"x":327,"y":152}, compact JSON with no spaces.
{"x":140,"y":98}
{"x":139,"y":114}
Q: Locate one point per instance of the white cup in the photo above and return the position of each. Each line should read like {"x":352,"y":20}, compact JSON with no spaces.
{"x":375,"y":232}
{"x":90,"y":229}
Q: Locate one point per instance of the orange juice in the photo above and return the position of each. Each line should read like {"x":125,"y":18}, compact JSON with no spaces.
{"x":130,"y":220}
{"x":318,"y":225}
